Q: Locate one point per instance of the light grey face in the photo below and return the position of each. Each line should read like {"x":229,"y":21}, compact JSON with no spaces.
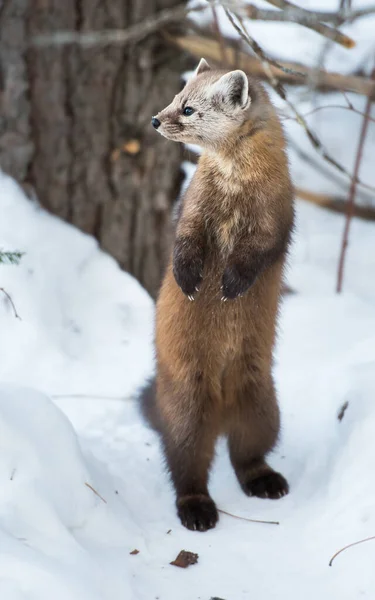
{"x":209,"y":108}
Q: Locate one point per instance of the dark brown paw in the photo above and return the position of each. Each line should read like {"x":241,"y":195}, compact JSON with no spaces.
{"x":197,"y":513}
{"x":270,"y":485}
{"x":236,"y":281}
{"x":188,"y":262}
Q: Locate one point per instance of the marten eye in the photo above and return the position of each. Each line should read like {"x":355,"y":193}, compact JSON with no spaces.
{"x":188,"y":111}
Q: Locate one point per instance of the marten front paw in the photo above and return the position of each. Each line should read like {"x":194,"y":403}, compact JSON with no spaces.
{"x":236,"y":281}
{"x":188,"y":262}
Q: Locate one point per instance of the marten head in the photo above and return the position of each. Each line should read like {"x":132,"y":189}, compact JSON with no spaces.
{"x":212,"y":107}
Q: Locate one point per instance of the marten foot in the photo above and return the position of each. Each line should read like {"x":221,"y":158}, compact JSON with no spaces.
{"x":268,"y":485}
{"x":197,"y":512}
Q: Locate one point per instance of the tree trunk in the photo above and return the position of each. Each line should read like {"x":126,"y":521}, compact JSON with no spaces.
{"x":75,"y":124}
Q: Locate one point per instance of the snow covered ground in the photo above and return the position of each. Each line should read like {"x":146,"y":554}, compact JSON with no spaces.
{"x":82,"y":482}
{"x":84,"y":343}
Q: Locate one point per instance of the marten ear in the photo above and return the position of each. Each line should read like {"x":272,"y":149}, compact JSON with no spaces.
{"x":202,"y":67}
{"x":233,"y":87}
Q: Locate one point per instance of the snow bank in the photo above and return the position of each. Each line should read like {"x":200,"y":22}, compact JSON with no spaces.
{"x":46,"y":509}
{"x":81,"y":315}
{"x":85,"y":333}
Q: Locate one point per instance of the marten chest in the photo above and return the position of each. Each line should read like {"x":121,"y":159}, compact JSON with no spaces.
{"x":227,"y":219}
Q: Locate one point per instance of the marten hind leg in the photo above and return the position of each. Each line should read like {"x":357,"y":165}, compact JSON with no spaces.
{"x":253,"y":431}
{"x":189,"y":434}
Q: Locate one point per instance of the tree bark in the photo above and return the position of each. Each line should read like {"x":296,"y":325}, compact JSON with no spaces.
{"x":75,"y":124}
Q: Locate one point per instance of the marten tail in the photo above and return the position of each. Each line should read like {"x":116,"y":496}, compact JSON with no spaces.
{"x":147,"y":399}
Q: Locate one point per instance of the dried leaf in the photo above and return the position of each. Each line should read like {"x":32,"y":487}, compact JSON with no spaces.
{"x":134,"y":552}
{"x":185,"y":559}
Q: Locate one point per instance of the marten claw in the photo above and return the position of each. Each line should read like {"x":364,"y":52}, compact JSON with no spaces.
{"x":191,"y":297}
{"x":224,"y":298}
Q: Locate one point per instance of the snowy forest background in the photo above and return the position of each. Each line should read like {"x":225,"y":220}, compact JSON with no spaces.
{"x":86,"y":193}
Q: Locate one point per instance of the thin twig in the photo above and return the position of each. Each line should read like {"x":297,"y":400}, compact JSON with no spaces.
{"x":135,"y":33}
{"x":224,"y":512}
{"x":340,"y":106}
{"x":266,"y":62}
{"x":350,"y":105}
{"x":308,"y":19}
{"x":95,"y":492}
{"x":219,"y":36}
{"x":352,"y":191}
{"x":350,"y":546}
{"x":12,"y":303}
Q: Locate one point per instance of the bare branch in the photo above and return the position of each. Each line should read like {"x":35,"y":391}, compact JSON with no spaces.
{"x":11,"y":302}
{"x":339,"y":17}
{"x":336,"y":204}
{"x":309,"y":19}
{"x":352,"y":191}
{"x":200,"y":45}
{"x":115,"y":36}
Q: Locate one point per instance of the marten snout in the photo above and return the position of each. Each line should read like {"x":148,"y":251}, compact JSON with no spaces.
{"x":155,"y":122}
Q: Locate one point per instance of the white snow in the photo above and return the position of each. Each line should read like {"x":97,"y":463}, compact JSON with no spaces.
{"x":82,"y":481}
{"x":85,"y":331}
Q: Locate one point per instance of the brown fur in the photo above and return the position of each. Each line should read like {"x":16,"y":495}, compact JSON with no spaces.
{"x":214,"y":357}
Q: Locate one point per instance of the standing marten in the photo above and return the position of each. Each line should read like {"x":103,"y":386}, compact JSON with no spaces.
{"x":217,"y":307}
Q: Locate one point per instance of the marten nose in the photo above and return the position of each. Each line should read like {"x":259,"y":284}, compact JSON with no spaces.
{"x":155,"y":122}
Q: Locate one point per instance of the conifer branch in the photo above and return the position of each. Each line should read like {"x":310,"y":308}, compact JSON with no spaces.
{"x":10,"y":258}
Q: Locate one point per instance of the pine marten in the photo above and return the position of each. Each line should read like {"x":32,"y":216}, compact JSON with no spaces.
{"x":218,"y":303}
